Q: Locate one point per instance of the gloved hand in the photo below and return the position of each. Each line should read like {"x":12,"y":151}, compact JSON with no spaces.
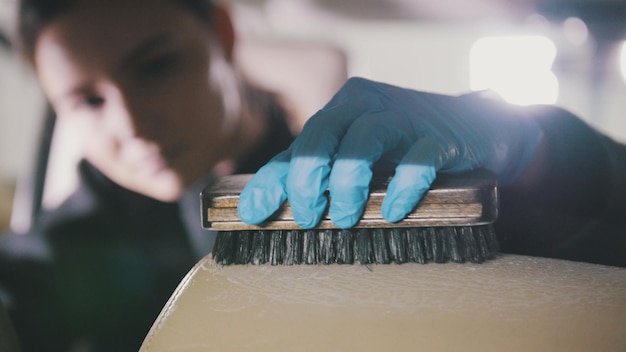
{"x":366,"y":122}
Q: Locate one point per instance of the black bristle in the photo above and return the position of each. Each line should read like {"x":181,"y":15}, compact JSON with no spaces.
{"x":380,"y":247}
{"x":492,"y":245}
{"x":344,"y":249}
{"x":452,"y":244}
{"x":397,"y":246}
{"x":224,"y":250}
{"x":276,"y":247}
{"x":293,"y":248}
{"x":472,"y":252}
{"x":243,"y":246}
{"x":260,"y":248}
{"x":326,"y":248}
{"x":309,"y":247}
{"x":434,"y":244}
{"x":481,"y":245}
{"x":365,"y":246}
{"x":416,"y":246}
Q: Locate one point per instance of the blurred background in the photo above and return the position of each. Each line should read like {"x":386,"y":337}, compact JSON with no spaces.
{"x":566,"y":52}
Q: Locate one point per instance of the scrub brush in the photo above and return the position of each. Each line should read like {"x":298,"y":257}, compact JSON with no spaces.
{"x":452,"y":223}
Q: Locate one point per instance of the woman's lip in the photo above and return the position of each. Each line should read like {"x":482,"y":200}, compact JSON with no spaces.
{"x":156,"y":162}
{"x":150,"y":165}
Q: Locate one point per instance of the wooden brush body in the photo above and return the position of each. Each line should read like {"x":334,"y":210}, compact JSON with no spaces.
{"x":463,"y":199}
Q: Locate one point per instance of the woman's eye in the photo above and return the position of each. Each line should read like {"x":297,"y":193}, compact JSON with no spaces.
{"x":159,"y":65}
{"x":93,"y":101}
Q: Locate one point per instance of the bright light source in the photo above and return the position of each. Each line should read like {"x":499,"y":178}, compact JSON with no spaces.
{"x":518,"y":68}
{"x":622,"y":60}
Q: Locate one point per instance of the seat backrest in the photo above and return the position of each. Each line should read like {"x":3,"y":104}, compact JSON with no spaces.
{"x":511,"y":303}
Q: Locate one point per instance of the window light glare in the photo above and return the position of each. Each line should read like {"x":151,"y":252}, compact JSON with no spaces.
{"x":518,"y":68}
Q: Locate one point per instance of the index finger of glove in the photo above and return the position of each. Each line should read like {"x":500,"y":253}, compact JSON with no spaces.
{"x":266,"y":191}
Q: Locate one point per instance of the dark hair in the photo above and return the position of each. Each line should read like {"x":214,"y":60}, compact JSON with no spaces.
{"x":33,"y":15}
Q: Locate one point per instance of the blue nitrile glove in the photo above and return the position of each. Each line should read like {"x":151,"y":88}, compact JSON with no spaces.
{"x":367,"y":121}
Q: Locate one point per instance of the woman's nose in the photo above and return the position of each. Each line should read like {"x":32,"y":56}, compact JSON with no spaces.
{"x":130,"y":116}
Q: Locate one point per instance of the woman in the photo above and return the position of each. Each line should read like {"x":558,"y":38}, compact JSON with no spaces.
{"x":151,"y":84}
{"x":152,"y":88}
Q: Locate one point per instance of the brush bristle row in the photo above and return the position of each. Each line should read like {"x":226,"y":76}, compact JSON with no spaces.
{"x":364,"y":246}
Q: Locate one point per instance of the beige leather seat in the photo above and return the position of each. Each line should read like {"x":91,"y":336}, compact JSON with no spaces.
{"x":513,"y":303}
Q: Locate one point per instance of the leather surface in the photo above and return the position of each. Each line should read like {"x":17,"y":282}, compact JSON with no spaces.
{"x":512,"y":303}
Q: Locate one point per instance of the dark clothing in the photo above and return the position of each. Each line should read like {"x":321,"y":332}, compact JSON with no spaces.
{"x":577,"y":211}
{"x":96,"y":272}
{"x":113,"y":258}
{"x":101,"y":267}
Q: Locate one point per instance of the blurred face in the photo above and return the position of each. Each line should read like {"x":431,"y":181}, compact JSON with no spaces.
{"x":134,"y":76}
